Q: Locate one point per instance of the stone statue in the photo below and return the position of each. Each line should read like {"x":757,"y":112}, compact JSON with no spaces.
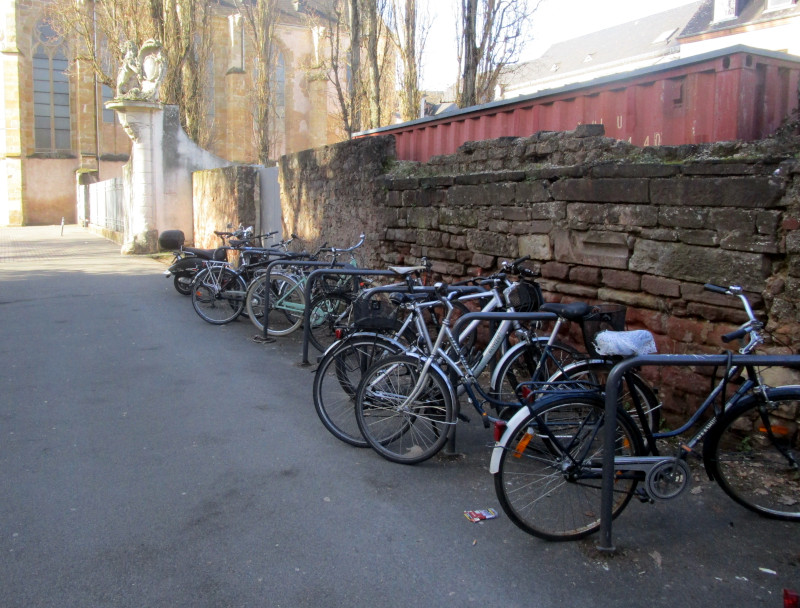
{"x":141,"y":73}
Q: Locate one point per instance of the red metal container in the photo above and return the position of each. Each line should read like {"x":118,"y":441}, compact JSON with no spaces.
{"x":739,"y":93}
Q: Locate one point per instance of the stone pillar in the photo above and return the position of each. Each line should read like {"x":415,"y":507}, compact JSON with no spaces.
{"x":12,"y":125}
{"x":144,"y":173}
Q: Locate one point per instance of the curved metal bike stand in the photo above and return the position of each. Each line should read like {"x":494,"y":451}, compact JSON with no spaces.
{"x":268,"y":272}
{"x":612,"y":394}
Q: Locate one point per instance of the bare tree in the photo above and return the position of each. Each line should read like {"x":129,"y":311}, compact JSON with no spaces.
{"x":409,"y":33}
{"x":261,"y":17}
{"x":492,"y":33}
{"x":98,"y":30}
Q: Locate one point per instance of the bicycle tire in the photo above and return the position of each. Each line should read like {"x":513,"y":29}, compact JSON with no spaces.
{"x":539,"y":490}
{"x":337,"y":378}
{"x":595,"y":373}
{"x":329,"y":312}
{"x":406,"y":433}
{"x":286,"y":304}
{"x":218,"y":295}
{"x":519,"y":364}
{"x":752,"y":467}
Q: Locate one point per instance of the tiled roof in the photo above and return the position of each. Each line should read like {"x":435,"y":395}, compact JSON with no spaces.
{"x":650,"y":39}
{"x":752,"y":13}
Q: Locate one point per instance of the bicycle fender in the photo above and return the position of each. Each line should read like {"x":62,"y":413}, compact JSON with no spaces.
{"x":512,"y":425}
{"x":384,"y":340}
{"x":523,"y":414}
{"x":776,"y":392}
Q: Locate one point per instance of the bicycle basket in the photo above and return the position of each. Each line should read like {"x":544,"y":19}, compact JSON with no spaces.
{"x":603,"y":317}
{"x":525,"y":297}
{"x":373,"y":315}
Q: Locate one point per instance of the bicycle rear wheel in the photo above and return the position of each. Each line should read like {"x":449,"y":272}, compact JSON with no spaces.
{"x":753,"y":453}
{"x":329,"y":312}
{"x":400,"y":423}
{"x":595,"y":373}
{"x":550,"y":473}
{"x":519,"y":364}
{"x":218,"y":295}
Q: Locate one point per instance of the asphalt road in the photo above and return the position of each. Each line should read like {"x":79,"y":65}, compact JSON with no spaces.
{"x":148,"y":458}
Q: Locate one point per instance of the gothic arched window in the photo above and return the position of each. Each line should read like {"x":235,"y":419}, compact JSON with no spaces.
{"x":50,"y":91}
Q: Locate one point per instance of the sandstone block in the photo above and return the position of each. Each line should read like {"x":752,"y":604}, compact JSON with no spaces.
{"x":592,"y":248}
{"x":755,"y":192}
{"x":537,"y":246}
{"x":624,"y":190}
{"x":699,"y":264}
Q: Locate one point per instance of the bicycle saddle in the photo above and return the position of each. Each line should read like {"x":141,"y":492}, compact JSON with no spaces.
{"x":574,"y":311}
{"x":207,"y":254}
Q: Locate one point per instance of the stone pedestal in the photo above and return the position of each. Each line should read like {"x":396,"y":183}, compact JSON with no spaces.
{"x":144,"y":173}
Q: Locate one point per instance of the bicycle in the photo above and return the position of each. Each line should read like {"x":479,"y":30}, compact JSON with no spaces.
{"x":547,"y":466}
{"x":287,"y":296}
{"x":406,"y":404}
{"x":219,"y":289}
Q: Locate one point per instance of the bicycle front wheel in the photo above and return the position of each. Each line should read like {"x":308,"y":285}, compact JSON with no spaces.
{"x":753,"y":453}
{"x":404,"y":417}
{"x":549,"y":480}
{"x":218,"y":295}
{"x":337,"y":378}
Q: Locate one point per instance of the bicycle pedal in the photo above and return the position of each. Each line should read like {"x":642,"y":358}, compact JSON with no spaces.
{"x":463,"y":417}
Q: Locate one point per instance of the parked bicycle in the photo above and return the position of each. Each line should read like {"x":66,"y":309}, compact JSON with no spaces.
{"x":287,"y":295}
{"x":547,"y":466}
{"x":219,"y":289}
{"x":407,"y":328}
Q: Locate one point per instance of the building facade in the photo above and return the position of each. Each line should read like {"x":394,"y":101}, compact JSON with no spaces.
{"x":55,"y":129}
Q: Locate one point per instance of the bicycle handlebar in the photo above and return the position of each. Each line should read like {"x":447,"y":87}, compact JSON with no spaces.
{"x":752,"y":326}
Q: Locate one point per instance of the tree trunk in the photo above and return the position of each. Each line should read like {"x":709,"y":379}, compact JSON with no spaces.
{"x":469,"y":75}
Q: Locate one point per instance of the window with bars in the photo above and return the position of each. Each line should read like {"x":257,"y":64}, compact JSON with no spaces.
{"x":51,"y":113}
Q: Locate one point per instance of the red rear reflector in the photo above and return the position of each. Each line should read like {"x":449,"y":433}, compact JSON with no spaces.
{"x":338,"y":333}
{"x":499,"y":429}
{"x":791,"y":599}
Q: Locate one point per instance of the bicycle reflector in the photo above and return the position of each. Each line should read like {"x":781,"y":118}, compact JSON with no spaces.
{"x":791,"y":599}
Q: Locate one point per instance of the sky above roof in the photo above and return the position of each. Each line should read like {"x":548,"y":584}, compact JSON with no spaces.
{"x":554,"y":21}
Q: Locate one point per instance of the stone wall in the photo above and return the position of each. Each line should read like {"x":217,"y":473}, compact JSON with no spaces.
{"x":603,"y":221}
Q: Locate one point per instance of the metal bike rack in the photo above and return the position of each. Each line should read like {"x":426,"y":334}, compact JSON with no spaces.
{"x":286,"y":262}
{"x":612,"y":394}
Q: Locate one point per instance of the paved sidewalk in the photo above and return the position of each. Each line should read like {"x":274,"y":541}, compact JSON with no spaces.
{"x":150,"y":459}
{"x":49,"y":243}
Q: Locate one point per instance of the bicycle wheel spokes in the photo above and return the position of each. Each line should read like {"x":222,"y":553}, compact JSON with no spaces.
{"x":756,"y":457}
{"x":218,"y":295}
{"x":287,"y":302}
{"x":337,"y":379}
{"x":402,"y":420}
{"x":328,"y":313}
{"x":549,"y":479}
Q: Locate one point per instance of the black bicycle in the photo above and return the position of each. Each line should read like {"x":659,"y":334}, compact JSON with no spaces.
{"x":547,"y":467}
